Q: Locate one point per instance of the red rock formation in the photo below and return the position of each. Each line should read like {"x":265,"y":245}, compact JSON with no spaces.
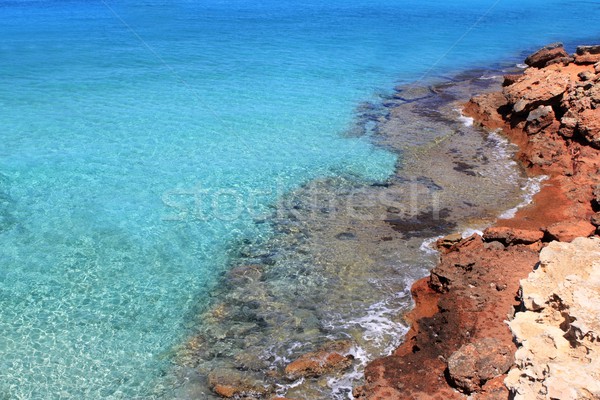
{"x":471,"y":366}
{"x":587,"y":54}
{"x":552,"y":112}
{"x":545,"y":55}
{"x":470,"y":291}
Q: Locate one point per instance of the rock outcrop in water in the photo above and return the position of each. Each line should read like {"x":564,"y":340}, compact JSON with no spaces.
{"x":552,"y":112}
{"x":333,"y":356}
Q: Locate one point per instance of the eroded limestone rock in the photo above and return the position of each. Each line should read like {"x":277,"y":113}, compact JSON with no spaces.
{"x":559,"y":357}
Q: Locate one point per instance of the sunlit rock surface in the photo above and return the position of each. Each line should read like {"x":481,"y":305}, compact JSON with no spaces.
{"x":559,"y":331}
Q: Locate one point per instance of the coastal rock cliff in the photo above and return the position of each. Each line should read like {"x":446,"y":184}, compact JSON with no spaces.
{"x":459,"y":344}
{"x":559,"y":357}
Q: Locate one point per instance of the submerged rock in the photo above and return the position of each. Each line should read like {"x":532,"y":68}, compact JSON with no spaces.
{"x":230,"y":383}
{"x":245,"y":274}
{"x":333,"y":356}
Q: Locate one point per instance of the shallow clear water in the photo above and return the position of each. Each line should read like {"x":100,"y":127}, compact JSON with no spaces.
{"x":141,"y":140}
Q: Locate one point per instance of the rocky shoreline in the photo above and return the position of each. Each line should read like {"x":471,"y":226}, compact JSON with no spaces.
{"x":342,"y":246}
{"x":459,"y":344}
{"x":301,"y":313}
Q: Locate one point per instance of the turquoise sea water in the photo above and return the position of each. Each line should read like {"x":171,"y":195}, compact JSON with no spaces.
{"x":141,"y":140}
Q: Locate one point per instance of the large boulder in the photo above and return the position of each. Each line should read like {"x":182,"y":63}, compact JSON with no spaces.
{"x":543,"y":56}
{"x":589,"y":126}
{"x":486,"y":107}
{"x":566,"y":231}
{"x":587,"y":54}
{"x":535,"y":88}
{"x":471,"y":366}
{"x":509,"y":236}
{"x":581,"y":107}
{"x":538,"y":119}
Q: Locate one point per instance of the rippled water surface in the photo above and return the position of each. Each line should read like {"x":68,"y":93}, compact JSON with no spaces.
{"x":144,"y":144}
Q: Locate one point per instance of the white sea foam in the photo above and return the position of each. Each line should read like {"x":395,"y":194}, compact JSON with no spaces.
{"x":378,"y":327}
{"x":282,"y":389}
{"x":502,"y":162}
{"x":521,"y":66}
{"x":470,"y":232}
{"x":467,"y":121}
{"x":504,"y":148}
{"x":530,"y":189}
{"x":428,"y":247}
{"x":383,"y":333}
{"x":488,"y":77}
{"x":341,"y":387}
{"x":283,"y":360}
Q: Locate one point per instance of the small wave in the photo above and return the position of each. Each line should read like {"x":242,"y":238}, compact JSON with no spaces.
{"x":381,"y":330}
{"x":521,"y":66}
{"x":489,"y":77}
{"x":282,"y":389}
{"x":504,"y":164}
{"x":466,"y":121}
{"x":530,"y":189}
{"x":427,"y":246}
{"x":503,"y":145}
{"x":470,"y":232}
{"x":378,"y":325}
{"x":341,"y":387}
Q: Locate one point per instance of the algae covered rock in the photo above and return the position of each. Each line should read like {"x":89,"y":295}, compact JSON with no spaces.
{"x":333,"y":356}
